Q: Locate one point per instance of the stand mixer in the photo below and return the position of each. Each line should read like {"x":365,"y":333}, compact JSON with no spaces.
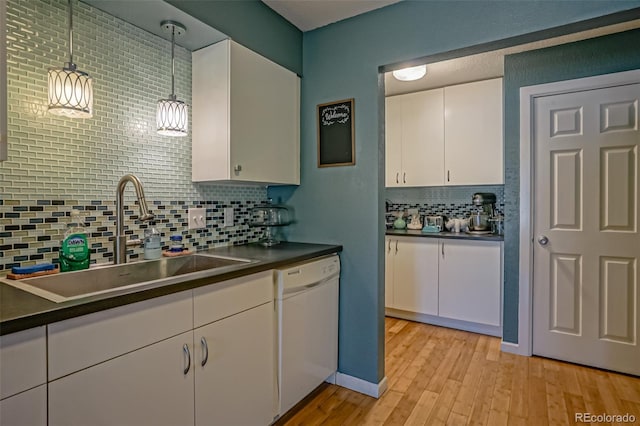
{"x":479,"y":222}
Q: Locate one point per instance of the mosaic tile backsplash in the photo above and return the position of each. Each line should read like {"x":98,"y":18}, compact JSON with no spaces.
{"x":449,"y":201}
{"x":32,"y":230}
{"x":56,"y":163}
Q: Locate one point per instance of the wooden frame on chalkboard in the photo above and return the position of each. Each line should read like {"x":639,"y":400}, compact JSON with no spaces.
{"x":336,"y":134}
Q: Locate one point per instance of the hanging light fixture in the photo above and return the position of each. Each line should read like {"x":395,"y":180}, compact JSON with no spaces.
{"x":70,"y":90}
{"x":411,"y":73}
{"x":172,"y":116}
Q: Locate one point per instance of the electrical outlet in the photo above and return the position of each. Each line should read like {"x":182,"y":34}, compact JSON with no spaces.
{"x":228,"y":217}
{"x":197,"y":218}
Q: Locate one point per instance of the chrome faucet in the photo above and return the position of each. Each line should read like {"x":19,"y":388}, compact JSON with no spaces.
{"x":120,"y":242}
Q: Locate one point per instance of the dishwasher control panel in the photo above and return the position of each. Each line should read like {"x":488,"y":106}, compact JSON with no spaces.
{"x":310,"y":272}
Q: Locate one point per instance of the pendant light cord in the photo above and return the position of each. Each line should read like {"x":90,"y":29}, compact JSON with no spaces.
{"x":173,"y":62}
{"x":71,"y":65}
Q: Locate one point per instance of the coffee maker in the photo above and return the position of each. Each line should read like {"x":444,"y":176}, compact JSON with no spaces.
{"x":481,"y":219}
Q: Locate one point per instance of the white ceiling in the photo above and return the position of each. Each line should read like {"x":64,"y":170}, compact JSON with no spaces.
{"x":486,"y":65}
{"x":311,"y":14}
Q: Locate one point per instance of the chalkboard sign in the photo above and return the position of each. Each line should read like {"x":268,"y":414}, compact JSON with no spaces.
{"x":336,"y":140}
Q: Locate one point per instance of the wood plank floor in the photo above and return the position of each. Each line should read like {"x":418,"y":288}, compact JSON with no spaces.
{"x":442,"y":376}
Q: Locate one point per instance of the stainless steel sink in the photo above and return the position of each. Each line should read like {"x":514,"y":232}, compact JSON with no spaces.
{"x":112,"y":278}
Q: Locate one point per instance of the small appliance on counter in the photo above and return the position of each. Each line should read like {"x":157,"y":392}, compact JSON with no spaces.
{"x":434,"y":223}
{"x":271,"y":216}
{"x":415,"y":223}
{"x":480,"y":219}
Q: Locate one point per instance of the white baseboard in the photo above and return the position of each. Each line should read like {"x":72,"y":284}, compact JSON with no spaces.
{"x":512,"y":348}
{"x":332,"y":378}
{"x":372,"y":389}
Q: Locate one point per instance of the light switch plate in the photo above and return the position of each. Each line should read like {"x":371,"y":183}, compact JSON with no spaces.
{"x":228,"y":217}
{"x":197,"y":218}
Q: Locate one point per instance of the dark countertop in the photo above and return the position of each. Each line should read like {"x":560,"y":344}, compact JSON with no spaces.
{"x":20,"y":310}
{"x":445,"y":234}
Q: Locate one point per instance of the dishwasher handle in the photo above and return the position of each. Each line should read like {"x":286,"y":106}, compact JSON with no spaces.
{"x":304,"y":287}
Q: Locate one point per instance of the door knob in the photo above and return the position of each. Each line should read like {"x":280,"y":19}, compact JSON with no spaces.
{"x":543,"y":240}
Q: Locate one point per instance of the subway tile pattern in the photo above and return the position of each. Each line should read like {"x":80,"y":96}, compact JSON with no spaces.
{"x":56,"y":163}
{"x":31,"y":230}
{"x":51,"y":156}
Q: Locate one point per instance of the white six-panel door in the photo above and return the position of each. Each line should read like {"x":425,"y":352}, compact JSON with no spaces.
{"x":585,"y":295}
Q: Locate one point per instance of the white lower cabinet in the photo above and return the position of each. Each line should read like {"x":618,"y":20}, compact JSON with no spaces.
{"x":28,"y":408}
{"x":23,"y":377}
{"x":150,"y":386}
{"x":414,"y":274}
{"x":470,"y":277}
{"x":235,"y":369}
{"x":200,"y":357}
{"x":454,"y":283}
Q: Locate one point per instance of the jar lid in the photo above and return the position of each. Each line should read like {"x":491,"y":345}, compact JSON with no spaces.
{"x":176,"y":238}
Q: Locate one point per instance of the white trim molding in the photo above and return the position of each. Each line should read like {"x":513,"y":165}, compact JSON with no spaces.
{"x":372,"y":389}
{"x":527,"y":98}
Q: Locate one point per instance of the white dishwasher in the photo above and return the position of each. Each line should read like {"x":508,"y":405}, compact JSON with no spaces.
{"x":307,"y":306}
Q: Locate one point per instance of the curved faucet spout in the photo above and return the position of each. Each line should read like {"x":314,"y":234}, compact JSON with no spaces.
{"x":120,"y":242}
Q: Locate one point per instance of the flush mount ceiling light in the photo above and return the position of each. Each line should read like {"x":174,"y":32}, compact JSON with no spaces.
{"x":70,"y":90}
{"x":172,"y":116}
{"x":411,"y":73}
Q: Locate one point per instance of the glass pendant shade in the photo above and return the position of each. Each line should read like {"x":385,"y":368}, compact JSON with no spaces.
{"x":410,"y":74}
{"x":70,"y":92}
{"x":172,"y":117}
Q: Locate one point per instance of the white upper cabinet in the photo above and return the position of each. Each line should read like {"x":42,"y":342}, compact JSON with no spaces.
{"x":414,"y":142}
{"x":473,"y":133}
{"x":246,"y":117}
{"x":449,"y":136}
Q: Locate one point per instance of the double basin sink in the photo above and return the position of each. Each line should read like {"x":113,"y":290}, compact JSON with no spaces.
{"x":127,"y":276}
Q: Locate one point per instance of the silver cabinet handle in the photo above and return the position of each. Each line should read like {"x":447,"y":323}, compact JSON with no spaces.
{"x":543,"y":240}
{"x":185,"y":349}
{"x":389,"y":247}
{"x":397,"y":177}
{"x":442,"y":250}
{"x":205,"y":351}
{"x":396,"y":246}
{"x":404,"y":177}
{"x":448,"y":176}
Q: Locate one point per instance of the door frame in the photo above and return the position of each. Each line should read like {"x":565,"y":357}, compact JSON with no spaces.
{"x":528,"y":95}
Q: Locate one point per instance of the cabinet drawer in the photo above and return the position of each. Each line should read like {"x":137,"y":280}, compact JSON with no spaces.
{"x":80,"y":342}
{"x":23,"y":361}
{"x":220,"y":300}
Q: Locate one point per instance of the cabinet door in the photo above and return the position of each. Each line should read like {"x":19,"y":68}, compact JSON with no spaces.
{"x":236,"y":385}
{"x":23,"y":361}
{"x":25,"y":409}
{"x":473,"y":129}
{"x":393,"y":141}
{"x":265,"y":119}
{"x":389,"y":257}
{"x":415,"y":276}
{"x":145,"y":387}
{"x":423,"y":138}
{"x":471,"y":281}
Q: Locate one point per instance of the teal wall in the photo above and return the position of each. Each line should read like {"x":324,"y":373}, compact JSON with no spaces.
{"x":603,"y":55}
{"x":252,"y":24}
{"x":346,"y":204}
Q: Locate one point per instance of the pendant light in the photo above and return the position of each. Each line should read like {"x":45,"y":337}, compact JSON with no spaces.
{"x":70,"y":90}
{"x":172,"y":116}
{"x":411,"y":73}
